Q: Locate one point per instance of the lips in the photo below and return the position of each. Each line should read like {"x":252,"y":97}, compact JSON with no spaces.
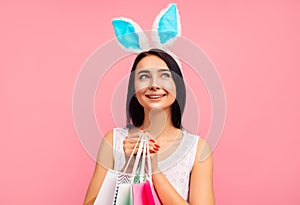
{"x":155,"y":96}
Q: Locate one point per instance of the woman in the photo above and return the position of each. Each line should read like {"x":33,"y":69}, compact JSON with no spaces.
{"x":155,"y":102}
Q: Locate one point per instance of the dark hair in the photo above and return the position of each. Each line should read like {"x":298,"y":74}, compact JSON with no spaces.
{"x":135,"y":111}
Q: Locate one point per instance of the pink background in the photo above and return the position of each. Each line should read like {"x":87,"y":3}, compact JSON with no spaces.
{"x":254,"y":45}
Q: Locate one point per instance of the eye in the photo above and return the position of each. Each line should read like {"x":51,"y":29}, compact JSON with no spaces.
{"x":165,"y":75}
{"x":143,"y":76}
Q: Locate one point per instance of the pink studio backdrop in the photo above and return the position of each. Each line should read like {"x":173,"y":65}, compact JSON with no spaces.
{"x":254,"y":45}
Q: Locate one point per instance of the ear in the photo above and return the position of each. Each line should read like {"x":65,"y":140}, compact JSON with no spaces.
{"x":130,"y":35}
{"x":166,"y":27}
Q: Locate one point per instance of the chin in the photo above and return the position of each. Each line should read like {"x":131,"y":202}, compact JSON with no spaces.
{"x":158,"y":107}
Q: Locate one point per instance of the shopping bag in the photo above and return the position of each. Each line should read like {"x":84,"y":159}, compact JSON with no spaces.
{"x":123,"y":190}
{"x":107,"y":191}
{"x":138,"y":194}
{"x":143,"y":193}
{"x":134,"y":188}
{"x":151,"y":195}
{"x":124,"y":195}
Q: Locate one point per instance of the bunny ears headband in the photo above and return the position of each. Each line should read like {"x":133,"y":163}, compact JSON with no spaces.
{"x":166,"y":28}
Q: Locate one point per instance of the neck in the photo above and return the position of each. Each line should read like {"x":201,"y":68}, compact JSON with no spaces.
{"x":157,"y":121}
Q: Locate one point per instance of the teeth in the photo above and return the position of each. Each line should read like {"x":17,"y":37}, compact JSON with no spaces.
{"x":154,"y":96}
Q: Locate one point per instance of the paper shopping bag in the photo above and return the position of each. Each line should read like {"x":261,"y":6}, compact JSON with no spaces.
{"x":151,"y":194}
{"x":107,"y":191}
{"x":138,"y":194}
{"x":142,"y":196}
{"x":124,"y":195}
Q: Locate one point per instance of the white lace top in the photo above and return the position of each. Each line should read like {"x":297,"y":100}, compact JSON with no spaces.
{"x":177,"y":167}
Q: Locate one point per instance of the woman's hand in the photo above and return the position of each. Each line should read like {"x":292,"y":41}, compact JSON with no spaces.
{"x":154,"y":149}
{"x":131,"y":141}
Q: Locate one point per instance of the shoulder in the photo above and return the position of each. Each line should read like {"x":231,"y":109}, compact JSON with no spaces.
{"x":203,"y":149}
{"x":203,"y":156}
{"x":115,"y":132}
{"x":108,"y":137}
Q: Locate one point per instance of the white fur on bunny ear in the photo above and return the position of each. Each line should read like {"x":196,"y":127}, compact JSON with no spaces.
{"x":166,"y":27}
{"x":130,"y":35}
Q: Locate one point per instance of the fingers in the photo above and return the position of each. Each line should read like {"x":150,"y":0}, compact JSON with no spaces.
{"x":153,"y":146}
{"x":129,"y":144}
{"x":131,"y":141}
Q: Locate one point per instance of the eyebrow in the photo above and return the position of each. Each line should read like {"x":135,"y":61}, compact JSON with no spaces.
{"x":143,"y":71}
{"x":164,"y":69}
{"x":159,"y":70}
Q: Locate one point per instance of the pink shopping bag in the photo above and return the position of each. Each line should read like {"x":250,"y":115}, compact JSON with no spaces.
{"x":151,"y":194}
{"x":138,"y":194}
{"x":144,"y":194}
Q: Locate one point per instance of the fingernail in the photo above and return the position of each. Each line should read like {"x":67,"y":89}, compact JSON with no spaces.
{"x":156,"y":149}
{"x":156,"y":145}
{"x":152,"y":140}
{"x":151,"y":151}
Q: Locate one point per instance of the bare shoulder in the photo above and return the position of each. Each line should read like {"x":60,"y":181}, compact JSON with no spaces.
{"x":109,"y":137}
{"x":105,"y":153}
{"x":204,"y":151}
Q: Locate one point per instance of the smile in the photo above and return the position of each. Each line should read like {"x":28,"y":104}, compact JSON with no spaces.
{"x":155,"y":96}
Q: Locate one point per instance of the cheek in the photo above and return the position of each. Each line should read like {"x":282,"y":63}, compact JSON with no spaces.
{"x":170,"y":87}
{"x":140,"y":86}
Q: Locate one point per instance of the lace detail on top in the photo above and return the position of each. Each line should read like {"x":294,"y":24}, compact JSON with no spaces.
{"x":176,"y":168}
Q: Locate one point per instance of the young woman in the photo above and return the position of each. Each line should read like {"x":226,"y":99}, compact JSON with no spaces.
{"x":181,"y":162}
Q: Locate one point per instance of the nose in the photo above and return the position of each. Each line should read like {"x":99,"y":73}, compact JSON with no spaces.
{"x":154,"y":85}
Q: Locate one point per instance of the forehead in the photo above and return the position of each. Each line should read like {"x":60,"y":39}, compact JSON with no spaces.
{"x":151,"y":61}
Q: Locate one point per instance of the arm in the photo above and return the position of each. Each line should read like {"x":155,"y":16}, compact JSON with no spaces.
{"x":166,"y":192}
{"x":201,"y":186}
{"x":104,"y":162}
{"x":201,"y":181}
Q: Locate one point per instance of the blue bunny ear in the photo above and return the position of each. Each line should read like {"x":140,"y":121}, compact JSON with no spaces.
{"x":166,"y":27}
{"x":130,"y":35}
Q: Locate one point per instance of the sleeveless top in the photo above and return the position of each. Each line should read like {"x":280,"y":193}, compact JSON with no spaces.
{"x":177,"y":167}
